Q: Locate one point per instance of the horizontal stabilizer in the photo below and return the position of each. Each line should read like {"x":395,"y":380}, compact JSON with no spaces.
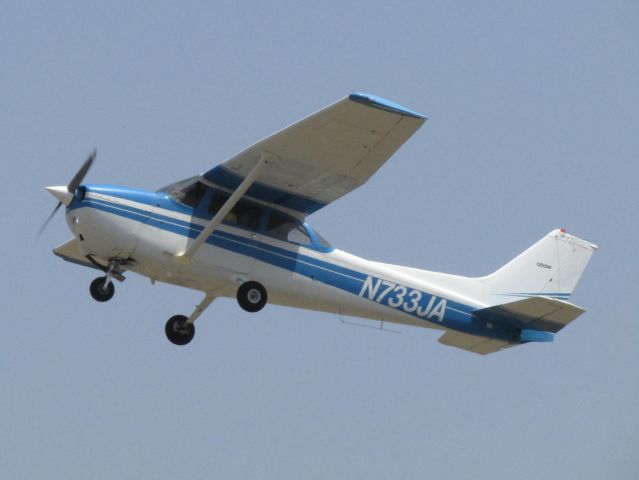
{"x":535,"y":313}
{"x":473,"y":343}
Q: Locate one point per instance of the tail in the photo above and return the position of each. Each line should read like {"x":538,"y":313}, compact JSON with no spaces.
{"x":519,"y":294}
{"x":551,"y":268}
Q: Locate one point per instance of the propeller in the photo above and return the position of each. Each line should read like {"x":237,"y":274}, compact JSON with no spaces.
{"x":65,"y":194}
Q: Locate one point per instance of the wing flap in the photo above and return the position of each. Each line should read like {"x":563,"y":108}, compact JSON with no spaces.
{"x":324,"y":156}
{"x":537,"y":313}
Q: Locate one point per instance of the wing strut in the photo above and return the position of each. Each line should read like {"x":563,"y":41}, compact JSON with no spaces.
{"x":226,"y":208}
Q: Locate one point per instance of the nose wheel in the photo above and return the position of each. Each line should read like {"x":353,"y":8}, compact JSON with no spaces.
{"x":102,"y":289}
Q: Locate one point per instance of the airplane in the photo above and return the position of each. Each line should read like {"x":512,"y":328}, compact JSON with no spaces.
{"x":239,"y":230}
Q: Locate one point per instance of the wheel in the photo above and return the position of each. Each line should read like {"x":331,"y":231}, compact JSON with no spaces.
{"x":251,"y":296}
{"x":178,"y":331}
{"x":99,"y":292}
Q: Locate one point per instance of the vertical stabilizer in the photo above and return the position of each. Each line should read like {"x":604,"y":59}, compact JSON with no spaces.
{"x":551,"y":267}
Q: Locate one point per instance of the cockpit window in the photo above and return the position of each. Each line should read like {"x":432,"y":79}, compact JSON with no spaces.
{"x":285,"y":228}
{"x":193,"y":193}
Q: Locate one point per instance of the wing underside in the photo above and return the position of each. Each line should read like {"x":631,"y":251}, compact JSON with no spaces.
{"x":324,"y":156}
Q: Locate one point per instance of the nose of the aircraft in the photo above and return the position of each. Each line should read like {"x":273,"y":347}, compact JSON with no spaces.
{"x":61,"y":193}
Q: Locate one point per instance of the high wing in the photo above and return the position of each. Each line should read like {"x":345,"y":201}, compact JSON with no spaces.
{"x":323,"y":156}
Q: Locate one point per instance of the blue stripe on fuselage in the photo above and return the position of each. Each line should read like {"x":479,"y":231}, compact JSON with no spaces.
{"x":458,"y":316}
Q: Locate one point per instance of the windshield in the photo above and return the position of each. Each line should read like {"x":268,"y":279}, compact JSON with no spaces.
{"x":187,"y":192}
{"x":322,"y":241}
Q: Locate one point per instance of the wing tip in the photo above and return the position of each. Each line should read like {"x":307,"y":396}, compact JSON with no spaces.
{"x":383,"y":104}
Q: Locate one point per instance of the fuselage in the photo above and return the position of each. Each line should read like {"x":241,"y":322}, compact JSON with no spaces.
{"x":146,"y":230}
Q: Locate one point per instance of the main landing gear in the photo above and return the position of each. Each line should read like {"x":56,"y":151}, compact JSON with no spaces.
{"x":180,"y":330}
{"x":251,"y":296}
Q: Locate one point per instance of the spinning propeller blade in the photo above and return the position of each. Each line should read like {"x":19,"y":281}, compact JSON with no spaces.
{"x":66,"y":196}
{"x":46,"y":222}
{"x":78,"y":177}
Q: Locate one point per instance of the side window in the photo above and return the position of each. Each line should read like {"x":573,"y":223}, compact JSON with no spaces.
{"x":192,"y":195}
{"x":284,"y":228}
{"x":243,"y":214}
{"x":247,"y":215}
{"x":216,"y":203}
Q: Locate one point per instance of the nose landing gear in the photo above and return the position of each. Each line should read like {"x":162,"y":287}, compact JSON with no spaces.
{"x":102,"y":289}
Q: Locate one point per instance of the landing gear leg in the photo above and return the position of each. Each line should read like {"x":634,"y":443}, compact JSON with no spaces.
{"x":179,"y":329}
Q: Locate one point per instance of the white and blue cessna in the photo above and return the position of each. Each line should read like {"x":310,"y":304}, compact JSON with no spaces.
{"x":239,"y":230}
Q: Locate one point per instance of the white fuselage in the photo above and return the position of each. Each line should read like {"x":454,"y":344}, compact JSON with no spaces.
{"x":148,"y":230}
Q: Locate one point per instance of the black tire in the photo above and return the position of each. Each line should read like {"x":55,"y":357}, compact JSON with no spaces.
{"x":178,"y":331}
{"x":251,"y":296}
{"x":98,"y":292}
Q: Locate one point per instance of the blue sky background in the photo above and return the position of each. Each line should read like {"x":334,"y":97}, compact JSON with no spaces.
{"x":534,"y":125}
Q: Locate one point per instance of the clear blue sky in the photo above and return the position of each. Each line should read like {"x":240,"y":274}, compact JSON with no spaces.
{"x":534,"y":125}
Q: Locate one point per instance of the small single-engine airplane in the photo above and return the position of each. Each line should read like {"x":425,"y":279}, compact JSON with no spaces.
{"x":239,"y":230}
